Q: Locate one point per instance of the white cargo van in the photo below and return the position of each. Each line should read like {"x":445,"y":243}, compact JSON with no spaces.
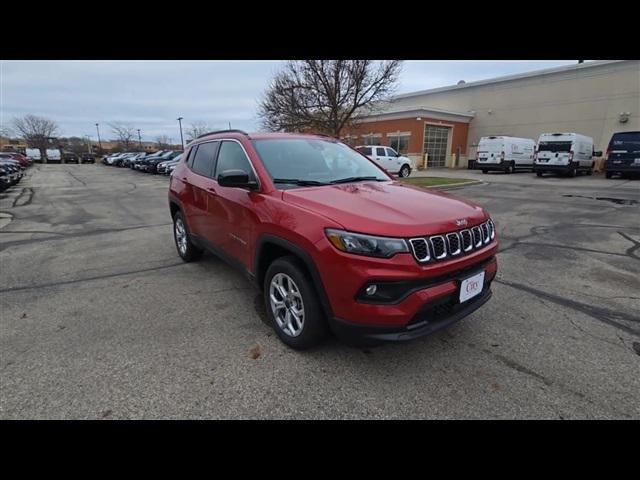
{"x":505,"y":154}
{"x":567,"y":153}
{"x":34,"y":154}
{"x":54,"y":155}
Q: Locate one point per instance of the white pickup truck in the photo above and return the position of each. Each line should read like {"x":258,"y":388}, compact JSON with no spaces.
{"x":388,"y":159}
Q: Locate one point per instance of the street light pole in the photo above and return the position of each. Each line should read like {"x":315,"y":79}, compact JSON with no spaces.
{"x":181,"y":139}
{"x":99,"y":142}
{"x":139,"y":139}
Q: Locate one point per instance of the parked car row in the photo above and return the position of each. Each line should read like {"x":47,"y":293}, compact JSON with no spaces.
{"x":559,"y":153}
{"x":55,"y":155}
{"x":12,"y":168}
{"x":162,"y":162}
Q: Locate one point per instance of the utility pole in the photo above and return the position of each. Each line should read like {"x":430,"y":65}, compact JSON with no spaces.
{"x":99,"y":142}
{"x":181,"y":138}
{"x":139,"y":139}
{"x":229,"y":125}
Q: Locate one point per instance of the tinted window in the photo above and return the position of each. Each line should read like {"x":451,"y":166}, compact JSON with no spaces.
{"x":555,"y":146}
{"x":365,"y":150}
{"x":192,"y":154}
{"x":380,"y":152}
{"x":232,"y":157}
{"x":627,"y":141}
{"x":204,"y":158}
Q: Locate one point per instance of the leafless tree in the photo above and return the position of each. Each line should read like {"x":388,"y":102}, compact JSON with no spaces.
{"x":124,"y":133}
{"x":326,"y":95}
{"x":195,"y":129}
{"x":36,"y":131}
{"x":163,"y":142}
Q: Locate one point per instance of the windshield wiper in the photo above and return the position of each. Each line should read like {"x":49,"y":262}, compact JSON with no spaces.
{"x":357,"y":179}
{"x":297,"y":181}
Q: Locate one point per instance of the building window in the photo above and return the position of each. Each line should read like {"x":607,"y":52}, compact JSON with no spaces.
{"x":349,"y":140}
{"x":399,"y":142}
{"x":372,"y":139}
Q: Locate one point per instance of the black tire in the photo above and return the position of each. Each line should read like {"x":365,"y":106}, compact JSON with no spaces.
{"x":511,"y":168}
{"x":190,"y":252}
{"x":608,"y":174}
{"x":484,"y":171}
{"x":314,"y":327}
{"x":538,"y":174}
{"x":590,"y":171}
{"x":405,"y":171}
{"x":573,"y":171}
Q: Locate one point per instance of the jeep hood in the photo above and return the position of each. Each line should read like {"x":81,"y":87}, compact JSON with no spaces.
{"x":387,"y":208}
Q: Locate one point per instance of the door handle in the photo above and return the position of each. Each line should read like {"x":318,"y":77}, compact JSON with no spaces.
{"x":211,"y":190}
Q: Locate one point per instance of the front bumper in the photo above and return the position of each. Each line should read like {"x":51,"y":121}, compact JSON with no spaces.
{"x":420,"y":284}
{"x":428,"y":320}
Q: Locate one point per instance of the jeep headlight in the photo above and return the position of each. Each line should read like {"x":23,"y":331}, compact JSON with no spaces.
{"x":369,"y":245}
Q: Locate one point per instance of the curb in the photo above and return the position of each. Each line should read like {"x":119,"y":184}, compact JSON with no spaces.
{"x":454,"y":185}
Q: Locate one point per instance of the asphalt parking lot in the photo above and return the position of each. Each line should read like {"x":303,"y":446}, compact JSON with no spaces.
{"x":101,"y":319}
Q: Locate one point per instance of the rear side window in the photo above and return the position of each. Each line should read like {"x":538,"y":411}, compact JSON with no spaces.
{"x":365,"y":150}
{"x":380,"y":152}
{"x":232,"y":157}
{"x":204,"y":158}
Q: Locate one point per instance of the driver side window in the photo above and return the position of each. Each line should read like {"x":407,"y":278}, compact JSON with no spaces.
{"x":232,"y":157}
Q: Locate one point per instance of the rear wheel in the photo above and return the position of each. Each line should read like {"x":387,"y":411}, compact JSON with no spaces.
{"x":573,"y":171}
{"x":511,"y":168}
{"x":608,"y":174}
{"x":484,"y":171}
{"x":538,"y":174}
{"x":292,"y":304}
{"x":186,"y":249}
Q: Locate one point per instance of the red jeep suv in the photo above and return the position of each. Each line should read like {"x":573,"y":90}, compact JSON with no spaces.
{"x":333,"y":241}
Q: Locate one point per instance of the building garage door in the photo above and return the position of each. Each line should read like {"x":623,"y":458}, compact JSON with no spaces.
{"x":436,"y":141}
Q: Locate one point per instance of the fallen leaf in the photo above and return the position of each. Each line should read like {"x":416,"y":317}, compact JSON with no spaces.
{"x":105,"y":413}
{"x":255,"y":351}
{"x":24,"y":315}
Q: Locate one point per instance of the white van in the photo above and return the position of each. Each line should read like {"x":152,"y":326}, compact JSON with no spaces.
{"x":388,"y":159}
{"x":54,"y":155}
{"x":34,"y":154}
{"x":505,"y":154}
{"x":567,"y":153}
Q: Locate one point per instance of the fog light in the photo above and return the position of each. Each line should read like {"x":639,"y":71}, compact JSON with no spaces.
{"x":371,"y":289}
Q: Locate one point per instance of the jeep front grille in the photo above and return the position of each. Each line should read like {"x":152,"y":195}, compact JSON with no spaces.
{"x":440,"y":247}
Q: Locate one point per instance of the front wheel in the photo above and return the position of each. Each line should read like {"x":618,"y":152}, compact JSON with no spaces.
{"x":573,"y":171}
{"x":405,"y":171}
{"x":186,"y":249}
{"x":292,"y":304}
{"x":511,"y":168}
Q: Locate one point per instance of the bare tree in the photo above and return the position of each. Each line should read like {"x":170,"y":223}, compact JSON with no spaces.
{"x":36,"y":131}
{"x":163,"y":142}
{"x":125,"y":134}
{"x":196,"y":129}
{"x":326,"y":95}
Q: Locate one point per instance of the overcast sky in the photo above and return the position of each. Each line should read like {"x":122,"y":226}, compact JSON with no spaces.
{"x":151,"y":95}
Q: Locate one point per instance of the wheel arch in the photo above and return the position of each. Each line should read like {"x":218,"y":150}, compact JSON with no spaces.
{"x":270,"y":247}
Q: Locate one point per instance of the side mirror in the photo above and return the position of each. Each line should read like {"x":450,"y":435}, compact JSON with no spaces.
{"x":236,"y":179}
{"x":597,"y":153}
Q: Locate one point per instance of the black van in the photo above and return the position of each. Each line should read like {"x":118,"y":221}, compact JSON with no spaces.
{"x":623,"y":154}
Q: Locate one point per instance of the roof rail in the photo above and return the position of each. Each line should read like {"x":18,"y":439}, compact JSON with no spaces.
{"x":223,"y":131}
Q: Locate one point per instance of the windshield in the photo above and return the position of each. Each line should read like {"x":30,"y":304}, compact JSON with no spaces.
{"x":555,"y":146}
{"x":315,"y":160}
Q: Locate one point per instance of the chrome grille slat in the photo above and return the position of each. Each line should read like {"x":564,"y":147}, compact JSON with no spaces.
{"x":420,"y":249}
{"x":451,"y":244}
{"x":439,"y":246}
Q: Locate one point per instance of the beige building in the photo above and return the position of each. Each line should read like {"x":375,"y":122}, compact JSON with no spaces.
{"x":592,"y":98}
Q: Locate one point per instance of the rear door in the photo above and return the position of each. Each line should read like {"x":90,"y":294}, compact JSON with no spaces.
{"x":489,"y":151}
{"x":624,"y":150}
{"x":199,"y":179}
